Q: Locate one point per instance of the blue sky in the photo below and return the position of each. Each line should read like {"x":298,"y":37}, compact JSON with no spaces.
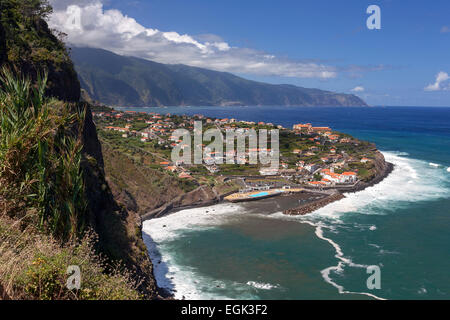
{"x":326,"y":44}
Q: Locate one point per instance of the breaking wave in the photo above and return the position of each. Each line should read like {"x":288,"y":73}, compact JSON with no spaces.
{"x":411,"y":181}
{"x":262,"y":286}
{"x":182,"y":281}
{"x":434,"y":165}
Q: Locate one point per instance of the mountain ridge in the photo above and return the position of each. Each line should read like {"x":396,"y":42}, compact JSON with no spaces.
{"x":129,"y":81}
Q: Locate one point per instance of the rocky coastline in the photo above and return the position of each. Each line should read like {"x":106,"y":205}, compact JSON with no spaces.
{"x":207,"y":196}
{"x":314,"y":205}
{"x":383,"y":169}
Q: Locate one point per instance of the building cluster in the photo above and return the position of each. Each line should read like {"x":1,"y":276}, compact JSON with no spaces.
{"x":153,"y":125}
{"x":325,"y":147}
{"x":321,"y":155}
{"x":176,"y":168}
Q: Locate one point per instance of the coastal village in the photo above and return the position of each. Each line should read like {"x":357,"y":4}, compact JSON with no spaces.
{"x":311,"y":157}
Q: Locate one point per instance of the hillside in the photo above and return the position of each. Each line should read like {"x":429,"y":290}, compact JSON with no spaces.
{"x":126,"y":81}
{"x":27,"y":44}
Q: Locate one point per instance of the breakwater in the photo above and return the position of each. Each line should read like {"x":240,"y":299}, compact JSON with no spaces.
{"x":314,"y":205}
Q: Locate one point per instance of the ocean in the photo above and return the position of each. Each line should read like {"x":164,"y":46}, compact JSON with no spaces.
{"x":253,"y":251}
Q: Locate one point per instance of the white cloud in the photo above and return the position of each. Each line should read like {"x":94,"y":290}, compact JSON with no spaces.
{"x":445,"y":29}
{"x":87,"y":24}
{"x":358,"y":89}
{"x":438,"y":85}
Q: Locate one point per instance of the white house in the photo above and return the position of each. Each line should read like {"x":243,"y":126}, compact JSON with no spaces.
{"x":268,"y":171}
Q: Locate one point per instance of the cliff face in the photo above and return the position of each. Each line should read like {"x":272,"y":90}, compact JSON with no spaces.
{"x":380,"y":163}
{"x":119,"y":229}
{"x":200,"y":197}
{"x":28,"y":47}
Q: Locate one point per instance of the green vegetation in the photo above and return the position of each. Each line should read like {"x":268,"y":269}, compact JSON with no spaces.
{"x":39,"y":160}
{"x":33,"y":265}
{"x":366,"y":172}
{"x":42,"y":200}
{"x":52,"y":186}
{"x":30,"y":46}
{"x":135,"y":172}
{"x":238,"y":169}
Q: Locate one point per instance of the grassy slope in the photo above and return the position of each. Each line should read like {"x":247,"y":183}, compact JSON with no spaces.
{"x":139,"y":187}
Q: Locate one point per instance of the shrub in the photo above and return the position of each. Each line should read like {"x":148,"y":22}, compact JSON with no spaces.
{"x":33,"y":266}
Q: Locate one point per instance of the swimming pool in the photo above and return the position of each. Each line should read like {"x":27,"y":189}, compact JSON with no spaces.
{"x":259,"y":194}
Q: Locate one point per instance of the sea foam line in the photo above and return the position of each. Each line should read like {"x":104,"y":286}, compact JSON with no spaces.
{"x":184,"y":282}
{"x":339,"y":267}
{"x":407,"y":172}
{"x":262,"y":286}
{"x":413,"y":180}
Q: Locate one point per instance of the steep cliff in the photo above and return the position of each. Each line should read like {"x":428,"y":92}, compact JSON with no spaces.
{"x":29,"y":48}
{"x":119,"y":229}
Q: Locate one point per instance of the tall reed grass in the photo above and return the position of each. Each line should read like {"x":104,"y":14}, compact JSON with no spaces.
{"x":43,"y":203}
{"x":40,"y":157}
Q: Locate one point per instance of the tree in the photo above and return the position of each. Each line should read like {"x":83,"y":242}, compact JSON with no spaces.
{"x":36,"y":8}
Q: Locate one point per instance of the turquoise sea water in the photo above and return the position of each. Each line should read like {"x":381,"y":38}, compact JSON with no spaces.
{"x":402,"y":224}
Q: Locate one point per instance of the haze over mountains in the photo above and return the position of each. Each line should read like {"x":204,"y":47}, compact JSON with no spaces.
{"x":127,"y":81}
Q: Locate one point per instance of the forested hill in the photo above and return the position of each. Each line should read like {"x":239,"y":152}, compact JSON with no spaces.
{"x":126,"y":81}
{"x":29,"y":46}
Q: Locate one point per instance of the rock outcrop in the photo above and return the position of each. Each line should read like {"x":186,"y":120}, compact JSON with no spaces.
{"x":200,"y":197}
{"x":382,"y":170}
{"x":118,"y":229}
{"x":314,"y":205}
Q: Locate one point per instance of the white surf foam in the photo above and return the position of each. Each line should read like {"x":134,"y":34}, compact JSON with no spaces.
{"x":422,"y":290}
{"x":339,"y":268}
{"x":182,"y":281}
{"x":434,"y":165}
{"x":167,"y":227}
{"x":262,"y":286}
{"x":448,"y":169}
{"x":411,"y":181}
